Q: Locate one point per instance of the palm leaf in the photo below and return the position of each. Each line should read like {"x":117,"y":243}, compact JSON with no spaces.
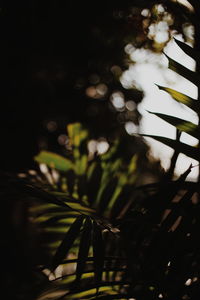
{"x":182,"y":98}
{"x":182,"y":125}
{"x":177,"y":211}
{"x":67,"y":243}
{"x":98,"y":252}
{"x":83,"y":248}
{"x":178,"y":146}
{"x":54,"y":160}
{"x":183,"y":71}
{"x":188,"y":50}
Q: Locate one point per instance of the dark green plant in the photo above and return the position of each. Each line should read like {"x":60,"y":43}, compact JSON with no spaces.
{"x":79,"y":217}
{"x":102,"y":234}
{"x":127,"y":241}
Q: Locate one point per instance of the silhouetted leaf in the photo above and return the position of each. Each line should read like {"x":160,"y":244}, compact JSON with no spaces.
{"x":177,"y":211}
{"x":54,"y":160}
{"x":98,"y":252}
{"x":89,"y":291}
{"x":188,"y":50}
{"x":182,"y":125}
{"x":178,"y":146}
{"x":182,"y":98}
{"x":41,"y":194}
{"x":67,"y":243}
{"x":83,"y":248}
{"x":183,"y":71}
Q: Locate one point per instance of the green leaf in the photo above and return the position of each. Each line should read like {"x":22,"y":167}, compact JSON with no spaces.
{"x":88,"y":292}
{"x":188,"y":50}
{"x":113,"y":149}
{"x":52,"y":220}
{"x":109,"y":170}
{"x":67,"y":243}
{"x":91,"y":170}
{"x":183,"y":71}
{"x":54,"y":160}
{"x":178,"y":146}
{"x":81,"y":165}
{"x":77,"y":134}
{"x":122,"y":181}
{"x":180,"y":124}
{"x":83,"y":248}
{"x":98,"y":252}
{"x":182,"y":98}
{"x":42,"y":195}
{"x":81,"y":208}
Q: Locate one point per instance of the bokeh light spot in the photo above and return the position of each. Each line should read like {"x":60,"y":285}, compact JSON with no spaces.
{"x":117,"y":100}
{"x":62,"y":139}
{"x":43,"y":168}
{"x":101,"y":89}
{"x":145,"y":12}
{"x":51,"y":126}
{"x":130,"y":105}
{"x":131,"y":128}
{"x":91,"y":92}
{"x":188,"y":282}
{"x":92,"y":147}
{"x":102,"y":147}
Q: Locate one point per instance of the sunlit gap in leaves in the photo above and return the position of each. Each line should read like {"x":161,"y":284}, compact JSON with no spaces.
{"x":145,"y":71}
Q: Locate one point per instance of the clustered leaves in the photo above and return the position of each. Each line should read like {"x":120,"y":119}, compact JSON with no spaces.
{"x":85,"y":203}
{"x":105,"y":236}
{"x":181,"y":124}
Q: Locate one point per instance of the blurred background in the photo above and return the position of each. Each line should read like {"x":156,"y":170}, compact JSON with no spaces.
{"x":93,"y":62}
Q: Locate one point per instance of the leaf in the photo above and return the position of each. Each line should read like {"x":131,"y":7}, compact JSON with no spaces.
{"x":57,"y":219}
{"x":91,"y":170}
{"x":167,"y":190}
{"x":183,"y":71}
{"x":98,"y":252}
{"x":109,"y":170}
{"x":54,"y":160}
{"x":178,"y":146}
{"x":188,"y":50}
{"x":113,"y":297}
{"x":88,"y":292}
{"x":83,"y":248}
{"x":182,"y":98}
{"x":90,"y":259}
{"x":77,"y":134}
{"x":81,"y":165}
{"x":41,"y":194}
{"x":177,"y":211}
{"x":111,"y":152}
{"x":81,"y":208}
{"x":122,"y":181}
{"x":67,"y":243}
{"x":132,"y":165}
{"x":180,"y":124}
